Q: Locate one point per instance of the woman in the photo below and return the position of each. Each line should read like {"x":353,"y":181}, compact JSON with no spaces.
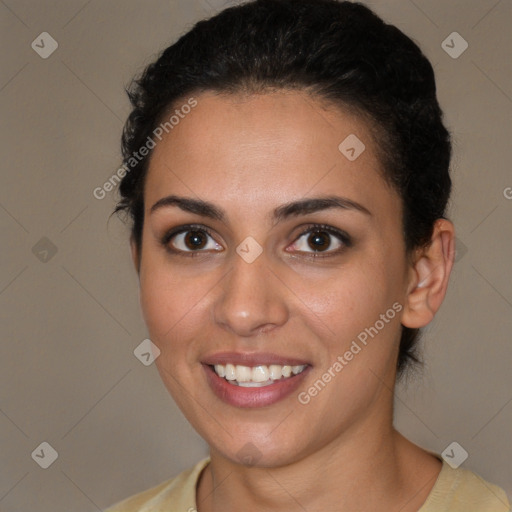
{"x":287,"y":176}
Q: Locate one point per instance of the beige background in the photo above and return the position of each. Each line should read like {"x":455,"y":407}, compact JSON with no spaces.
{"x":70,"y":325}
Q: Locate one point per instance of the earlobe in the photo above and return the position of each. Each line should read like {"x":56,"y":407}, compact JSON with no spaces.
{"x":429,"y":276}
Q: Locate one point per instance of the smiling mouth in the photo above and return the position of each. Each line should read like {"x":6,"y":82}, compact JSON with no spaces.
{"x":256,"y":376}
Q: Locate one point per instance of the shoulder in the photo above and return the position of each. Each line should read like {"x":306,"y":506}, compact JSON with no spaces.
{"x":178,"y":493}
{"x":460,"y":490}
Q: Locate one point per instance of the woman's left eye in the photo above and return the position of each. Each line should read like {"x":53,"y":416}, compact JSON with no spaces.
{"x":319,"y":240}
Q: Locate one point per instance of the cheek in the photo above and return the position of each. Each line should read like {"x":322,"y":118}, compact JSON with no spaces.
{"x":355,"y":312}
{"x":170,"y":305}
{"x":348,"y":298}
{"x":172,"y":311}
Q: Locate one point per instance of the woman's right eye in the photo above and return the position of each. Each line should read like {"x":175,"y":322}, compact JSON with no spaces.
{"x":192,"y":240}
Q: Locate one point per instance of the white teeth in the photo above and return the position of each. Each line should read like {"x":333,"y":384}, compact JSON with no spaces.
{"x":260,"y":374}
{"x":243,"y":373}
{"x":229,"y":371}
{"x":255,"y":384}
{"x":286,"y":371}
{"x":275,"y":371}
{"x":256,"y":376}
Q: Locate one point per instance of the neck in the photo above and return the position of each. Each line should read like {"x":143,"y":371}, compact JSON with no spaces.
{"x":371,"y":468}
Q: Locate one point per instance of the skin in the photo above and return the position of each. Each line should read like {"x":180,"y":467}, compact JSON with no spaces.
{"x":249,"y":155}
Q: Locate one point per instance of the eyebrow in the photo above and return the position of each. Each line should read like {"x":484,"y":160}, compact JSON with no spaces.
{"x":196,"y":206}
{"x":312,"y":205}
{"x":292,"y":209}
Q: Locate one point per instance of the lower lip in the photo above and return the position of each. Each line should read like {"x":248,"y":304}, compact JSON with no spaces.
{"x":239,"y":396}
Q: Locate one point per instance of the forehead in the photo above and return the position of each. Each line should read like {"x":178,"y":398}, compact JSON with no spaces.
{"x":255,"y":151}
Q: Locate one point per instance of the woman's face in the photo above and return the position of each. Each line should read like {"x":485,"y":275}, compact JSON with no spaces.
{"x":274,"y":249}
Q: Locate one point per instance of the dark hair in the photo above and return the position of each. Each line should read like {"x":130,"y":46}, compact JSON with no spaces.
{"x":340,"y":52}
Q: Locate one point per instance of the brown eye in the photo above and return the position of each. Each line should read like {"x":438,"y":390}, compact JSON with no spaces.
{"x":191,"y":240}
{"x":319,"y":240}
{"x":195,"y":240}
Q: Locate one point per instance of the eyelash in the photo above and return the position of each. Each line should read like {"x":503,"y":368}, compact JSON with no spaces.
{"x":310,"y":228}
{"x":178,"y":231}
{"x":345,"y":239}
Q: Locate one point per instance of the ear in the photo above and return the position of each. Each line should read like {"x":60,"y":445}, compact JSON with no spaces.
{"x":429,"y":275}
{"x":135,"y":254}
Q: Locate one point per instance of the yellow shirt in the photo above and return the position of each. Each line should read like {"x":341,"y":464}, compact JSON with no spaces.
{"x":456,"y":490}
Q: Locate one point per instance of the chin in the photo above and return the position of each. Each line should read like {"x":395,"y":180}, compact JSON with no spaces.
{"x":252,"y":454}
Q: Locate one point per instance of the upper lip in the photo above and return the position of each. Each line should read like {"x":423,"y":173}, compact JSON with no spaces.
{"x":252,"y":359}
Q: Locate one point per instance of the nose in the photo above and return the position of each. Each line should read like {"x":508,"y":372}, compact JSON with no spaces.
{"x":251,"y":299}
